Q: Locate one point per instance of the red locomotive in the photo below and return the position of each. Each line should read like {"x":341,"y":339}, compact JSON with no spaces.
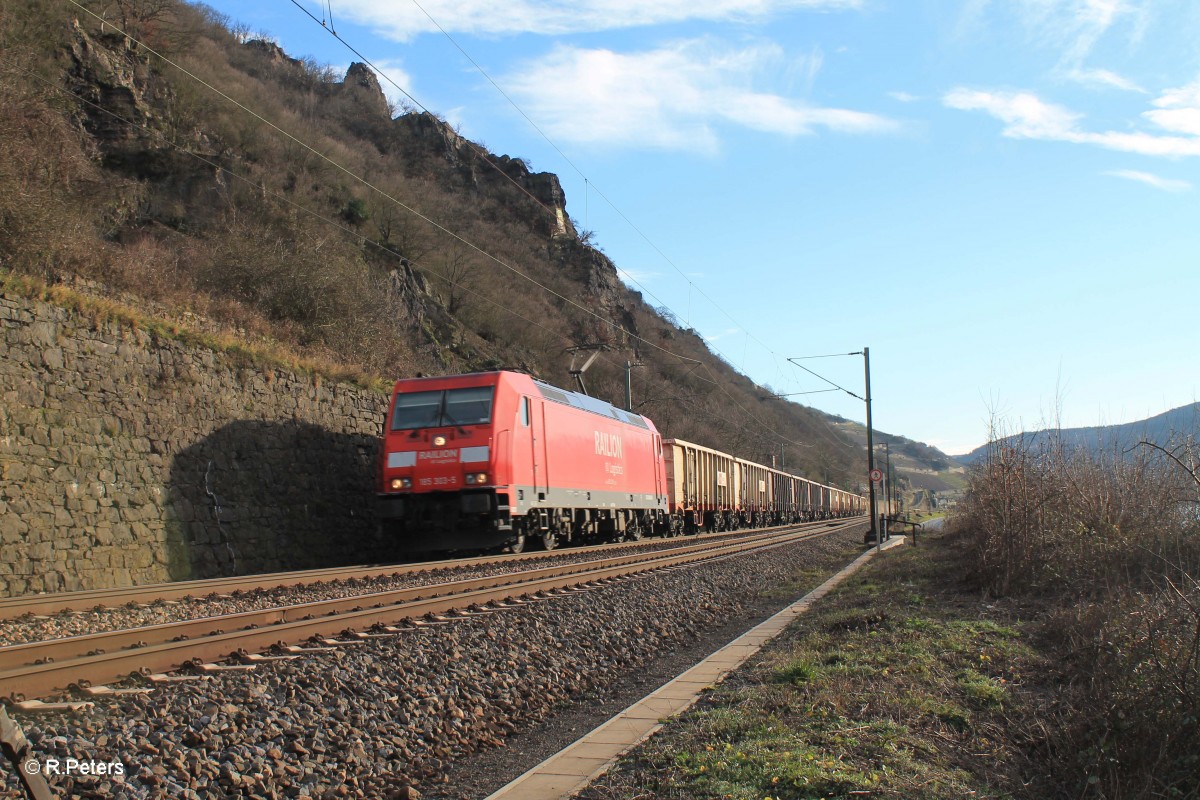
{"x":500,"y":459}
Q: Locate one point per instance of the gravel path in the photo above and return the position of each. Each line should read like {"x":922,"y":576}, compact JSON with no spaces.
{"x":452,"y":710}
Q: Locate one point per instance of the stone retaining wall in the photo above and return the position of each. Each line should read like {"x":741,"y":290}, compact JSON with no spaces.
{"x":129,"y":458}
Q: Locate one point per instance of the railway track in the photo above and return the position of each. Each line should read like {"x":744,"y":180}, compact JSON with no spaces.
{"x":38,"y":669}
{"x":60,"y":602}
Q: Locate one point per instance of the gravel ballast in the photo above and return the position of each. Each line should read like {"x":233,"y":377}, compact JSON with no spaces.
{"x":450,"y":711}
{"x":31,"y":628}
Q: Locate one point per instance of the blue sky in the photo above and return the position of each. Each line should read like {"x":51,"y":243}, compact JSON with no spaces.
{"x":1000,"y":199}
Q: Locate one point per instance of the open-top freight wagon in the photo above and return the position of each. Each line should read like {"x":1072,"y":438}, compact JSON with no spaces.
{"x":711,"y":490}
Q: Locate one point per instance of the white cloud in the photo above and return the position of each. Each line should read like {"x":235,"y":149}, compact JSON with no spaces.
{"x":1024,"y":114}
{"x":1150,"y":179}
{"x":1103,"y":78}
{"x":1182,"y":97}
{"x":1075,"y":26}
{"x":670,"y":98}
{"x":1178,"y":110}
{"x":1092,"y":19}
{"x":637,"y":276}
{"x":457,"y":117}
{"x":727,"y":332}
{"x":403,"y":20}
{"x":903,"y":97}
{"x":1028,"y":117}
{"x":1177,"y":120}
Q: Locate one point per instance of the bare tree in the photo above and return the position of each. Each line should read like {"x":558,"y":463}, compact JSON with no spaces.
{"x":458,"y":270}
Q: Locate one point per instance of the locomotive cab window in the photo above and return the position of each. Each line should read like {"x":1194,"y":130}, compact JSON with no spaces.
{"x":470,"y":406}
{"x":417,"y":410}
{"x":525,"y":412}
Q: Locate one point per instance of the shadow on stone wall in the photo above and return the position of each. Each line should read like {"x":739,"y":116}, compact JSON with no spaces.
{"x":266,"y":496}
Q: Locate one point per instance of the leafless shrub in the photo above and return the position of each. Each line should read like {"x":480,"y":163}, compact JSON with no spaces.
{"x":47,"y":182}
{"x":1042,"y":515}
{"x":1112,"y":540}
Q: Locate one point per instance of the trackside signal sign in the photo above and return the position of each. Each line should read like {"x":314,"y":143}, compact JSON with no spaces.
{"x":876,"y":475}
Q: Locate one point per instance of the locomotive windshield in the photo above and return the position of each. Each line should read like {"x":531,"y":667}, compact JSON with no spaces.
{"x":471,"y":406}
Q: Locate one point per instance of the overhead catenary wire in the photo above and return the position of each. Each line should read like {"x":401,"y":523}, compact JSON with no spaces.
{"x":713,"y":379}
{"x":363,"y":181}
{"x":486,"y":157}
{"x":550,"y":211}
{"x":831,"y":383}
{"x":587,"y":181}
{"x":632,"y":335}
{"x":590,"y":185}
{"x":257,"y":187}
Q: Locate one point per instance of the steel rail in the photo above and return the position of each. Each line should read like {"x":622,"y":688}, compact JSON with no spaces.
{"x":38,"y":680}
{"x":47,"y":650}
{"x":86,"y":600}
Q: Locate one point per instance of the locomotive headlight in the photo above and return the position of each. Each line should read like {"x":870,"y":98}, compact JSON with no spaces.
{"x":470,"y":477}
{"x":401,"y":483}
{"x":480,"y":477}
{"x":439,"y":441}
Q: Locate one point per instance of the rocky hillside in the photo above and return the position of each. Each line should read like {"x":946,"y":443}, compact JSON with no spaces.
{"x":162,"y":158}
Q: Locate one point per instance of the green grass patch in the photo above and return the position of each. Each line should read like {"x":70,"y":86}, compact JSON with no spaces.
{"x":981,"y":689}
{"x":798,"y":673}
{"x":892,"y":686}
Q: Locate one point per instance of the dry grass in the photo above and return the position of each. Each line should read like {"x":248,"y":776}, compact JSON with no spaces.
{"x":100,"y":310}
{"x":899,"y":684}
{"x":1111,"y":542}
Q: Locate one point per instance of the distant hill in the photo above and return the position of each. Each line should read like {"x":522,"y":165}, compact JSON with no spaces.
{"x":921,"y":469}
{"x":1162,"y":429}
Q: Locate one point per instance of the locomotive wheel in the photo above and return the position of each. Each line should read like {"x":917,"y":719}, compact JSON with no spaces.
{"x":517,"y":546}
{"x":633,"y":533}
{"x":549,"y":540}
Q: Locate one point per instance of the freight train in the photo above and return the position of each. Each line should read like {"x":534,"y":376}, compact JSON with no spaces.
{"x":496,"y":460}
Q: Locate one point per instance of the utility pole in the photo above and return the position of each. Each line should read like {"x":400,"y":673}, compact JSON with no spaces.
{"x":866,"y":354}
{"x":871,"y":451}
{"x":887,"y":448}
{"x":629,"y":383}
{"x":887,"y":494}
